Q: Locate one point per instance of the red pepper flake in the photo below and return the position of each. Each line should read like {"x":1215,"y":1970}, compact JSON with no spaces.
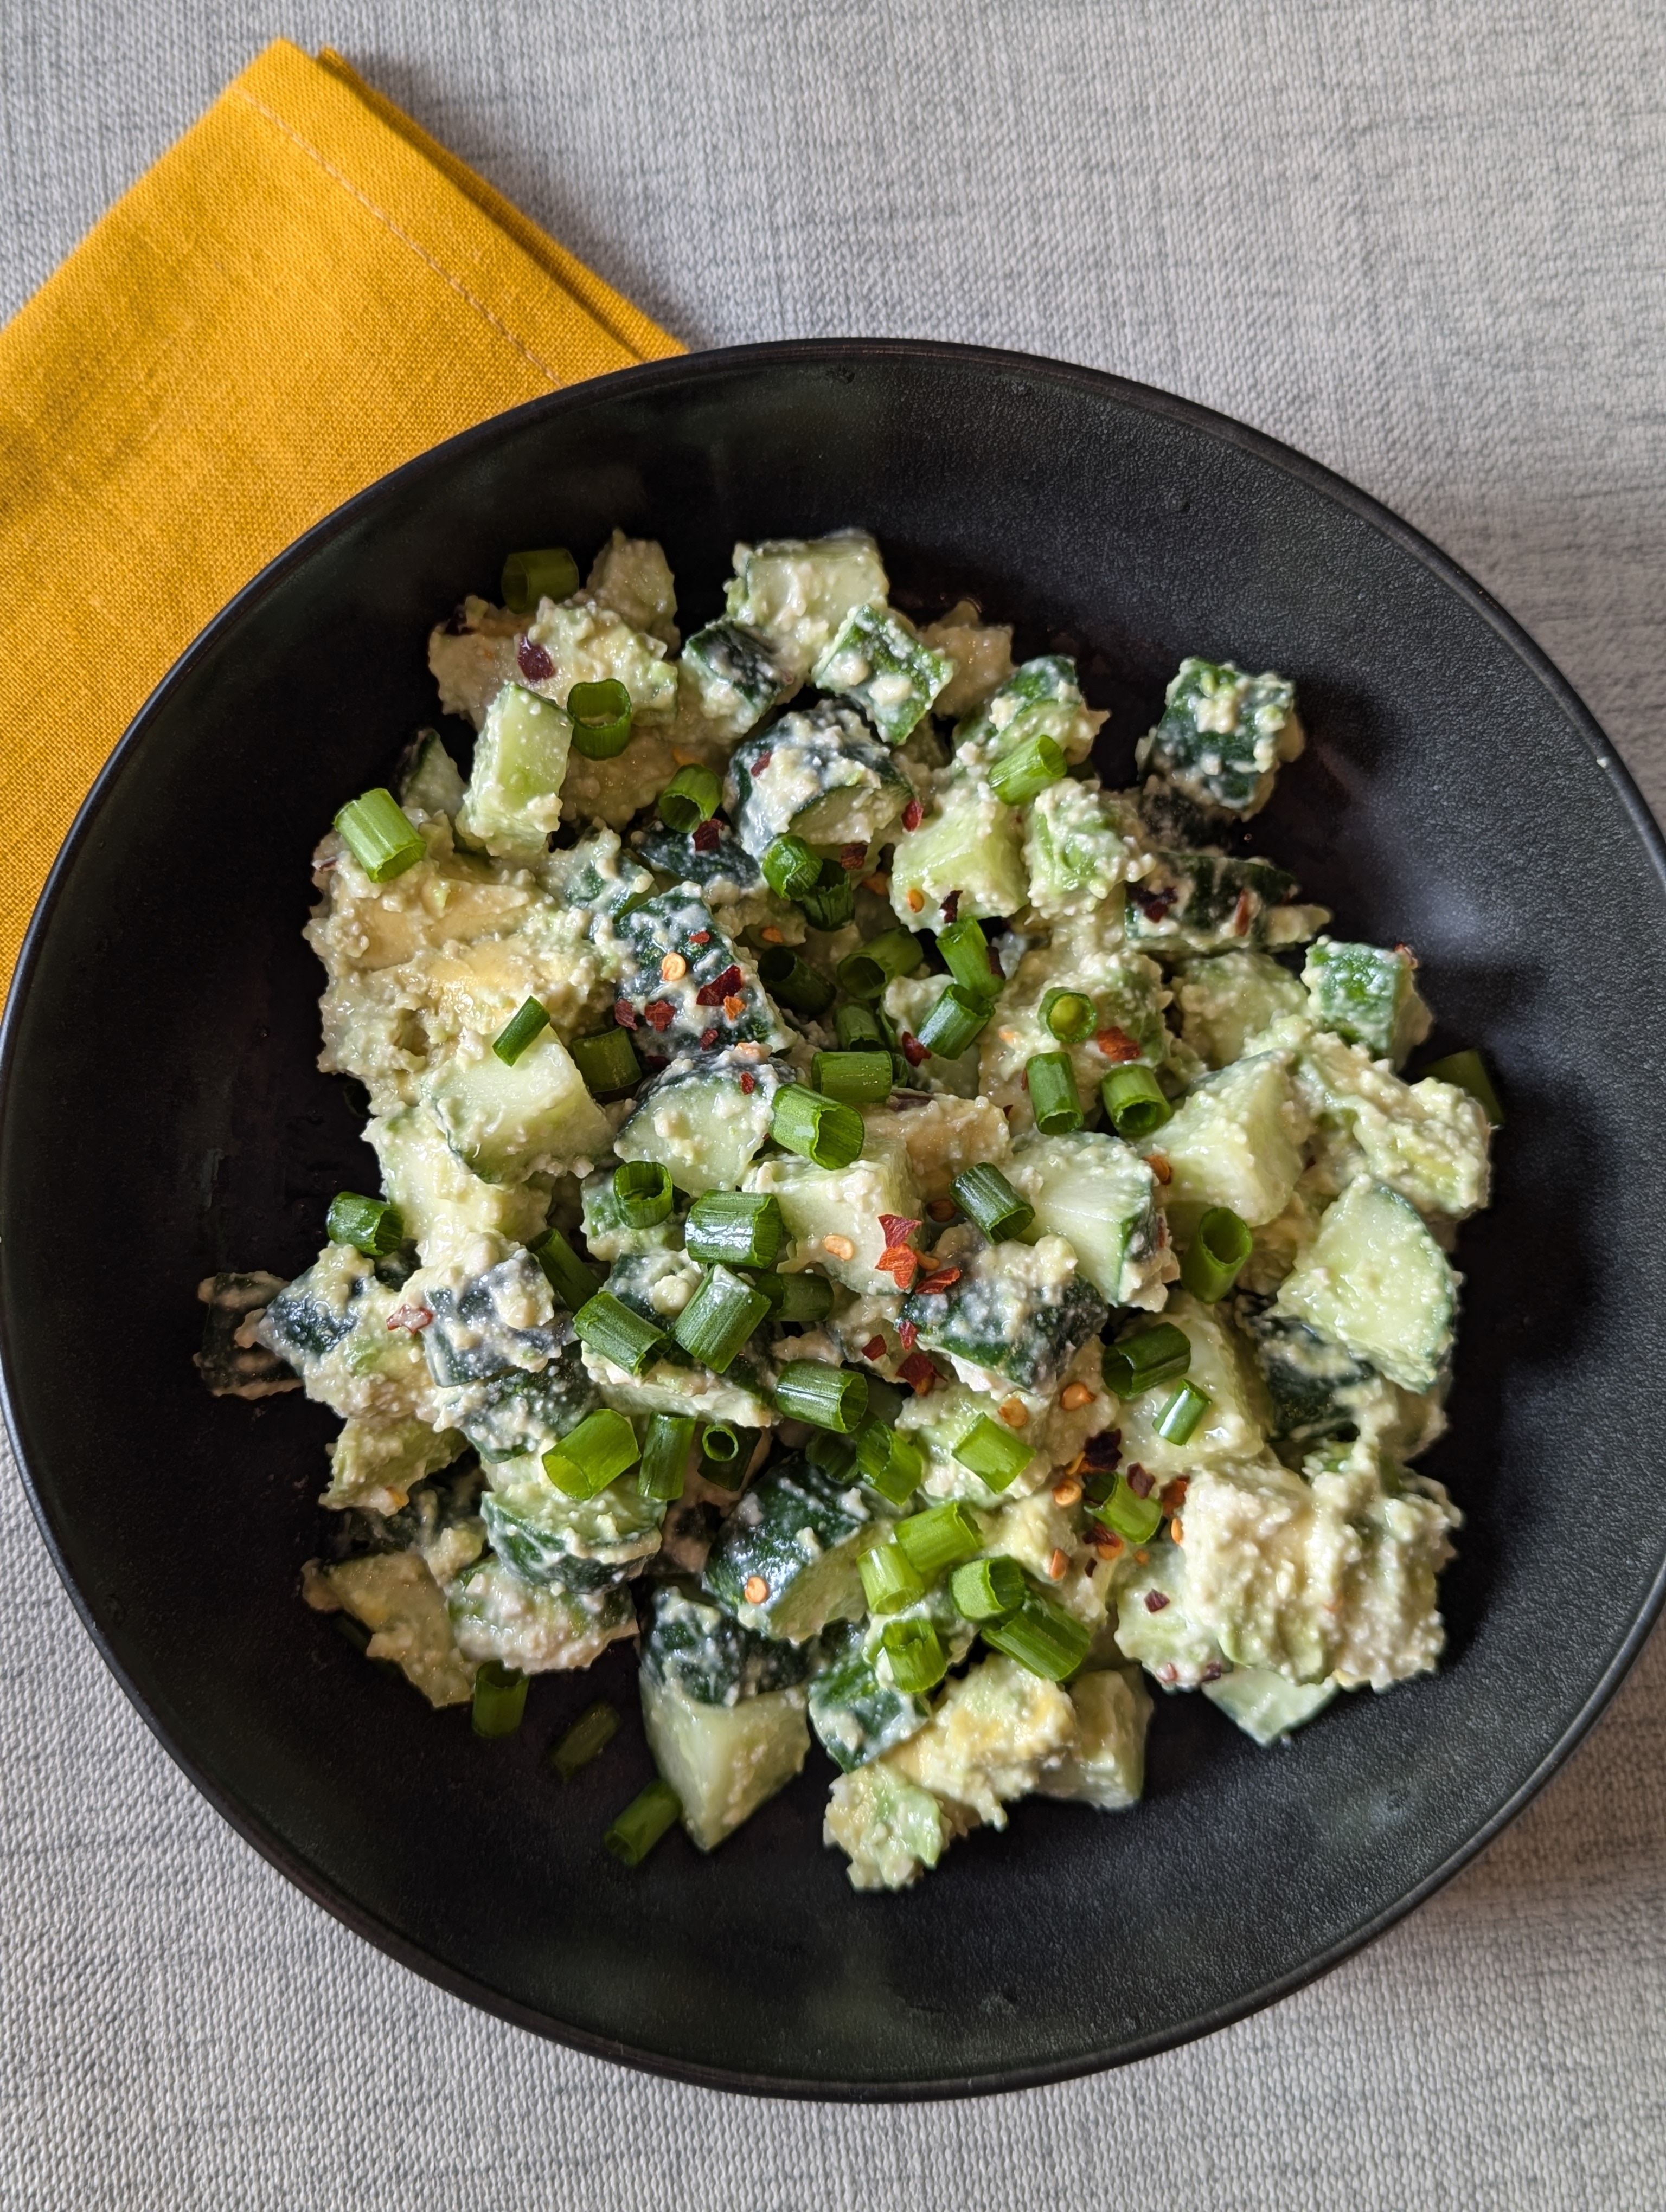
{"x":1117,"y":1044}
{"x":913,"y":815}
{"x":660,"y":1013}
{"x":624,"y":1013}
{"x":1174,"y":1494}
{"x":1155,"y":1599}
{"x":721,"y":988}
{"x":939,"y":1279}
{"x":748,"y":1081}
{"x":707,"y":837}
{"x":917,"y":1372}
{"x":897,"y":1228}
{"x":701,"y":937}
{"x":1103,"y":1452}
{"x":1243,"y":913}
{"x":994,"y":959}
{"x":762,"y":762}
{"x":1152,"y":904}
{"x":734,"y":1006}
{"x":852,"y":857}
{"x":708,"y":1039}
{"x":1168,"y":1671}
{"x":900,"y":1262}
{"x":458,"y":624}
{"x":1213,"y":1671}
{"x":533,"y":662}
{"x":908,"y":1334}
{"x":1159,"y":1167}
{"x":874,"y":1348}
{"x":1139,"y":1482}
{"x":951,"y":906}
{"x":410,"y":1317}
{"x":913,"y":1051}
{"x":941,"y":1209}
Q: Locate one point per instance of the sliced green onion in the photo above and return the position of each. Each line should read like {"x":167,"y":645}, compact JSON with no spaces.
{"x":592,"y":1456}
{"x":985,"y":1196}
{"x":790,"y":868}
{"x":1054,"y":1098}
{"x":665,"y":1459}
{"x":966,"y":951}
{"x":528,"y":1021}
{"x":643,"y":1822}
{"x":500,"y":1699}
{"x":858,"y":1025}
{"x":987,"y":1589}
{"x":1139,"y":1363}
{"x":1134,"y":1102}
{"x":801,"y":1297}
{"x":958,"y":1017}
{"x":865,"y":972}
{"x":693,"y":796}
{"x":831,"y":900}
{"x":888,"y":1578}
{"x":885,"y":1400}
{"x":566,"y":1273}
{"x":800,"y":988}
{"x":615,"y":1332}
{"x":823,"y":1130}
{"x":890,"y":1463}
{"x":1181,"y":1413}
{"x":607,"y":1062}
{"x":826,"y":1397}
{"x":918,"y":1661}
{"x":642,"y":1193}
{"x":1069,"y":1016}
{"x":854,"y":1078}
{"x":380,"y":835}
{"x":720,"y":1443}
{"x":735,"y":1229}
{"x":1469,"y":1071}
{"x":1131,"y":1515}
{"x":942,"y":1537}
{"x":371,"y":1226}
{"x":1042,"y":1638}
{"x":993,"y":1452}
{"x":551,"y":572}
{"x":1026,"y":772}
{"x":833,"y":1454}
{"x":588,"y":1737}
{"x":600,"y":715}
{"x":719,"y":1318}
{"x":1216,"y":1255}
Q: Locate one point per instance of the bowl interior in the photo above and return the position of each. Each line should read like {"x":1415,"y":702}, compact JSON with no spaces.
{"x":161,"y":1100}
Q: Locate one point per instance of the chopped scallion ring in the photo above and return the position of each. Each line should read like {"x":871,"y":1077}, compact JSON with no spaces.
{"x":957,"y":1020}
{"x":826,"y":1397}
{"x":993,"y":1452}
{"x":1070,"y":1016}
{"x":914,"y":1650}
{"x":1055,"y":1100}
{"x":1042,"y":1638}
{"x":371,"y":1226}
{"x":642,"y":1823}
{"x":693,"y":796}
{"x":500,"y":1699}
{"x":942,"y":1537}
{"x":1179,"y":1418}
{"x":614,"y":1333}
{"x":1213,"y":1260}
{"x":735,"y":1229}
{"x":888,"y":1578}
{"x":666,"y":1442}
{"x":966,"y":950}
{"x":1139,"y":1363}
{"x":801,"y":1297}
{"x":858,"y":1025}
{"x":1026,"y":773}
{"x":890,"y":1463}
{"x":565,"y":1273}
{"x":1133,"y":1101}
{"x":865,"y":972}
{"x":831,"y":900}
{"x":551,"y":572}
{"x":380,"y":835}
{"x":985,"y":1196}
{"x":600,"y":714}
{"x":588,"y":1737}
{"x":823,"y":1130}
{"x":607,"y":1062}
{"x":793,"y":982}
{"x":592,"y":1456}
{"x":790,"y":868}
{"x":854,"y":1078}
{"x":719,"y":1318}
{"x":988,"y":1589}
{"x":642,"y":1193}
{"x":1130,"y":1514}
{"x":530,"y":1020}
{"x":720,"y":1445}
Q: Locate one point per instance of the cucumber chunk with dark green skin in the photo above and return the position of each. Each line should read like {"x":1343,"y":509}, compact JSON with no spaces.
{"x":799,"y":1534}
{"x":516,"y":1412}
{"x":856,"y":1716}
{"x":713,"y":1657}
{"x":740,"y":675}
{"x":1041,"y":699}
{"x":1223,"y":734}
{"x":1308,"y":1380}
{"x":428,"y":779}
{"x":305,"y":1322}
{"x":1195,"y":902}
{"x":687,"y":1013}
{"x":596,"y":873}
{"x":1366,"y":995}
{"x":719,"y":863}
{"x":821,"y":775}
{"x":510,"y":1390}
{"x":556,"y":1548}
{"x":996,"y":1317}
{"x":878,"y":658}
{"x":705,"y":1118}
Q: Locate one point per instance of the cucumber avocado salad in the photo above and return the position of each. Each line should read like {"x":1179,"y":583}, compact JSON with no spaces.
{"x":927,"y":1245}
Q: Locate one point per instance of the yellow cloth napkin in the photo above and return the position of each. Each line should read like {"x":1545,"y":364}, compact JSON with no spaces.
{"x":302,"y":293}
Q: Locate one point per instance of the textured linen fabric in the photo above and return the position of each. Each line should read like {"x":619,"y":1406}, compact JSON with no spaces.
{"x":1423,"y":243}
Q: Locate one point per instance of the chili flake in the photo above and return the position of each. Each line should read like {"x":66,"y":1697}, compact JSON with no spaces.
{"x":734,"y":1006}
{"x":1159,"y":1167}
{"x":852,"y":856}
{"x":897,"y":1228}
{"x":701,"y":936}
{"x":414,"y":1318}
{"x":624,"y":1013}
{"x":1156,"y":1601}
{"x":748,"y":1081}
{"x":913,"y":815}
{"x":913,"y":1051}
{"x":533,"y":662}
{"x":1117,"y":1044}
{"x":951,"y":906}
{"x":900,"y":1262}
{"x":756,"y":1590}
{"x":917,"y":1372}
{"x":714,"y":992}
{"x":1139,"y":1482}
{"x":942,"y":1209}
{"x":708,"y":1039}
{"x":707,"y":836}
{"x":908,"y":1334}
{"x":874,"y":1348}
{"x":1243,"y":913}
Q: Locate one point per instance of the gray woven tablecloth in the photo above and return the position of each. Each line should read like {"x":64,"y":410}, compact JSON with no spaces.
{"x":1426,"y":244}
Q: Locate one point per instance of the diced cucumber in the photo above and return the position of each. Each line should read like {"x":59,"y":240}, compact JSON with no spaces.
{"x":428,"y":782}
{"x":877,"y":658}
{"x":394,"y":1595}
{"x":1195,"y":902}
{"x":942,"y":1420}
{"x":1375,"y":1281}
{"x":1074,"y":849}
{"x":233,"y":1362}
{"x":889,"y":1828}
{"x":842,"y":1204}
{"x":994,"y":1733}
{"x":598,"y":872}
{"x":537,"y":1627}
{"x":570,"y":1544}
{"x":969,"y":843}
{"x":1315,"y":1387}
{"x":1165,"y":1638}
{"x":506,"y":1123}
{"x":689,"y":987}
{"x":517,"y":1411}
{"x":514,"y":798}
{"x":1041,"y":699}
{"x":720,"y":864}
{"x":1224,"y":1000}
{"x":376,"y":1465}
{"x":331,"y":1326}
{"x":982,"y":654}
{"x":1428,"y":1140}
{"x":632,"y":576}
{"x":1236,"y":1140}
{"x":800,"y":1535}
{"x":589,"y":643}
{"x":1367,"y":994}
{"x":704,"y":1120}
{"x":1106,"y":1767}
{"x":740,"y":1396}
{"x":1236,"y":1423}
{"x":796,"y":592}
{"x":1267,"y":1706}
{"x":1020,"y":1311}
{"x":738,"y":674}
{"x":443,"y":1204}
{"x":723,"y":1761}
{"x":1223,"y":734}
{"x":711,"y":1657}
{"x":1094,"y":1190}
{"x":820,"y":775}
{"x":609,"y":1236}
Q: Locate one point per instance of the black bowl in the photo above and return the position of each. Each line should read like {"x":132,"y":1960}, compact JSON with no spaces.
{"x":163,"y":1118}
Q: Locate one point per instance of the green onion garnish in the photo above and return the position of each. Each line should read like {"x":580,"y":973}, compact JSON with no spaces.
{"x":693,"y":796}
{"x":858,"y":1025}
{"x":854,"y":1078}
{"x":719,"y":1445}
{"x":588,"y":1737}
{"x":592,"y":1456}
{"x":820,"y":1128}
{"x":831,"y":900}
{"x":1216,"y":1255}
{"x":993,"y":1452}
{"x":1069,"y":1016}
{"x":958,"y":1018}
{"x":966,"y":951}
{"x":566,"y":1273}
{"x":551,"y":572}
{"x":1054,"y":1098}
{"x":719,"y":1318}
{"x":827,"y":1397}
{"x":1129,"y":1514}
{"x":1135,"y":1105}
{"x":601,"y":718}
{"x":735,"y":1229}
{"x":1181,"y":1413}
{"x":865,"y":972}
{"x":790,"y":868}
{"x":985,"y":1196}
{"x":1469,"y":1071}
{"x":942,"y":1537}
{"x":529,"y":1020}
{"x":888,"y":1578}
{"x":801,"y":1297}
{"x":833,"y":1454}
{"x":1139,"y":1363}
{"x":987,"y":1589}
{"x":799,"y":987}
{"x":380,"y":835}
{"x":607,"y":1062}
{"x":615,"y":1332}
{"x":371,"y":1226}
{"x":1041,"y":1636}
{"x":643,"y":1822}
{"x":665,"y":1460}
{"x":1026,"y":772}
{"x":500,"y":1699}
{"x":642,"y":1193}
{"x":891,"y":1464}
{"x":918,"y":1661}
